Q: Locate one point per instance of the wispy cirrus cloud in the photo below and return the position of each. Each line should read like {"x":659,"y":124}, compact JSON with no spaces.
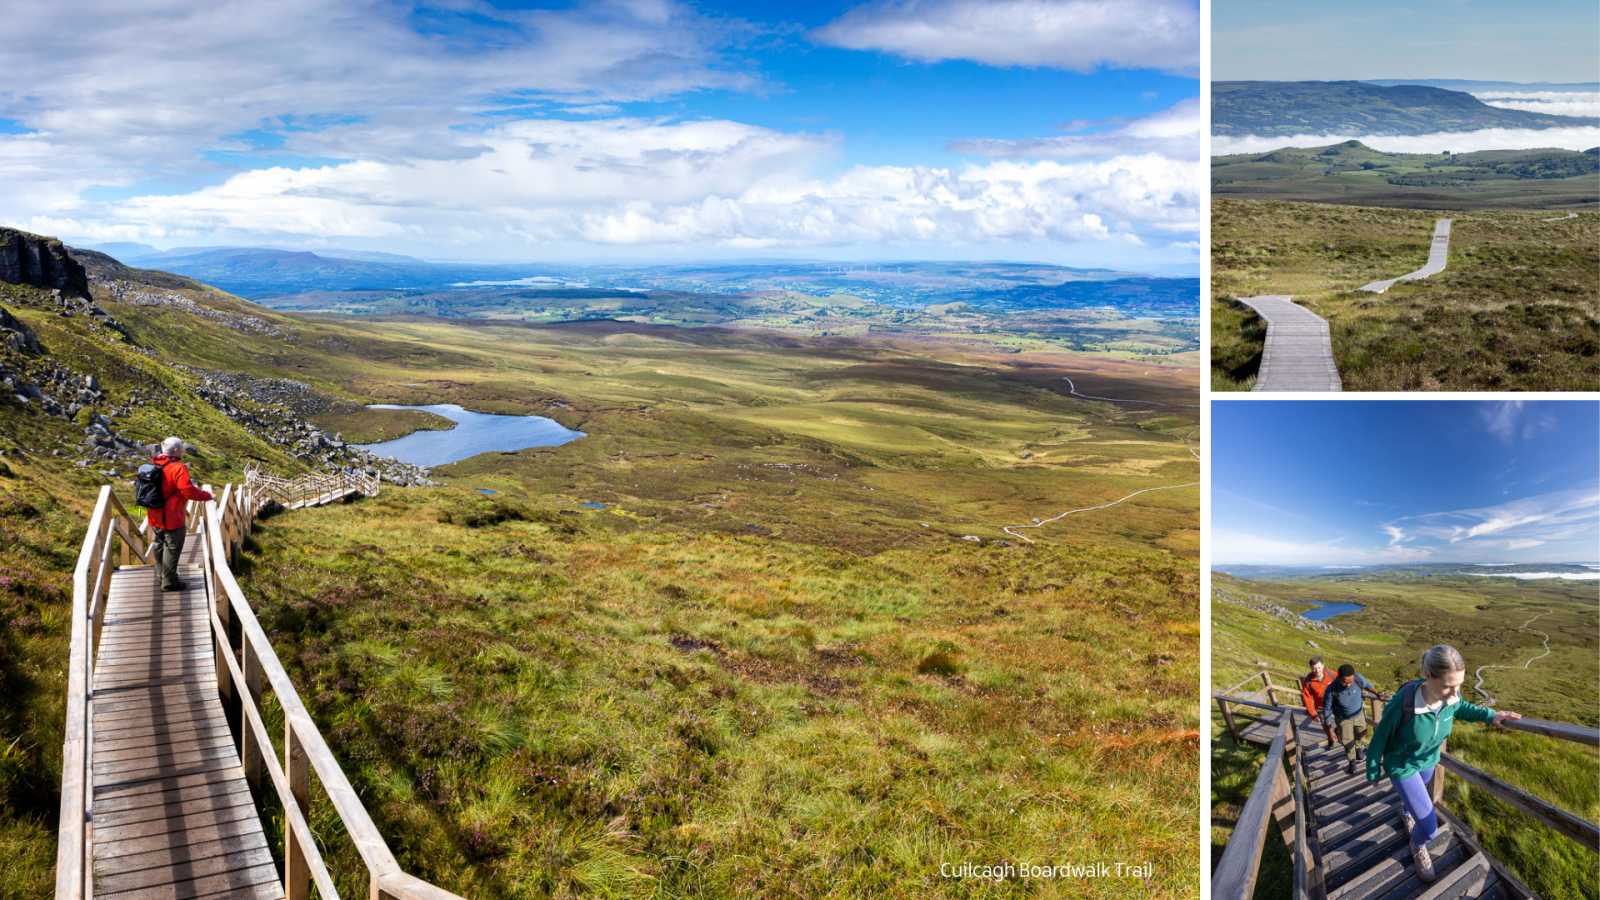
{"x":1078,"y":35}
{"x":1539,"y":519}
{"x":1173,"y":133}
{"x":1509,"y":420}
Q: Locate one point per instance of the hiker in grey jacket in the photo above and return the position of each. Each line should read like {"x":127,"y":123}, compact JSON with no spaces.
{"x":1342,"y":707}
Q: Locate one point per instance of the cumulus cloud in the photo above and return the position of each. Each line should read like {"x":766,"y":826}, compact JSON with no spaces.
{"x":1173,"y":132}
{"x":643,"y":182}
{"x":1079,"y":35}
{"x":1579,"y":138}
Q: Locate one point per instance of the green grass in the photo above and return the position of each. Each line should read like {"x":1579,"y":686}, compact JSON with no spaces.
{"x":1234,"y":769}
{"x":35,"y":630}
{"x":1517,"y":307}
{"x":595,"y":703}
{"x":1385,"y":642}
{"x":771,"y":666}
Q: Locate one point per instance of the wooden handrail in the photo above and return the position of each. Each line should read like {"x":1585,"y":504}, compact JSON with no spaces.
{"x":221,"y":524}
{"x":1235,"y":875}
{"x":1580,"y":830}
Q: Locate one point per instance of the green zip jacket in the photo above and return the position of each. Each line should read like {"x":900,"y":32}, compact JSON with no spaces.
{"x":1401,"y":754}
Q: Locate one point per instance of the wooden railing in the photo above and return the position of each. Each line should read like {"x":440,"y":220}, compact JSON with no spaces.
{"x":1235,"y":875}
{"x":222,"y":524}
{"x":310,"y":490}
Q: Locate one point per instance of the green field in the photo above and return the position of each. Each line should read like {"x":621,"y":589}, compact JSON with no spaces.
{"x":1385,"y":642}
{"x":1516,"y":308}
{"x":773,"y":665}
{"x":1353,"y":174}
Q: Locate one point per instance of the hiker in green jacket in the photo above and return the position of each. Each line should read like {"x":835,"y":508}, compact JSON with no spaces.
{"x":1408,"y":739}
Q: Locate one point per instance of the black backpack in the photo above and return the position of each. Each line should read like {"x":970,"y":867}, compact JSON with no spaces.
{"x":149,"y":485}
{"x":1407,"y":695}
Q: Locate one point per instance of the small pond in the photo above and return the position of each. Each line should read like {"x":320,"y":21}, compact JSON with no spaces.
{"x":474,"y":433}
{"x":1329,"y":610}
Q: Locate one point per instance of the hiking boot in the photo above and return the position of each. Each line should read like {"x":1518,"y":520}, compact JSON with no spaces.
{"x":1361,"y":753}
{"x":1410,"y":824}
{"x":1424,"y":861}
{"x":1350,"y":767}
{"x":174,"y":587}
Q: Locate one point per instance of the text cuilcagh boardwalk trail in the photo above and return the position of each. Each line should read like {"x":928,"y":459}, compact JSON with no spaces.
{"x":1344,"y":833}
{"x":165,"y":741}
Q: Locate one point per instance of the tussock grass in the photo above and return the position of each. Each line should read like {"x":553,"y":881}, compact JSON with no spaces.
{"x":1516,"y":308}
{"x":677,"y":714}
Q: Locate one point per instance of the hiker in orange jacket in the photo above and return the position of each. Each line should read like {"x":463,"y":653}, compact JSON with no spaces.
{"x":1312,"y":687}
{"x":167,"y":521}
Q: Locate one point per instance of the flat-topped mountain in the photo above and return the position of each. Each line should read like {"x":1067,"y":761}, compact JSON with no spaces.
{"x":1285,"y":108}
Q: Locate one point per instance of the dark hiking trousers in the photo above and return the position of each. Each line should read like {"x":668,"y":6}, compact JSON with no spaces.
{"x":168,"y":547}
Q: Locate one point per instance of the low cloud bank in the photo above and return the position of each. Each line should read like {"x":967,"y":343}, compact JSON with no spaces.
{"x":1555,"y":103}
{"x":1581,"y":138}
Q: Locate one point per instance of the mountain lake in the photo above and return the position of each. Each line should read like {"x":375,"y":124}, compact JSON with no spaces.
{"x":474,"y":433}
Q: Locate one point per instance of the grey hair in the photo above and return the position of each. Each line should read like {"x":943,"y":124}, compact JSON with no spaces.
{"x":1441,"y":659}
{"x":172,"y":447}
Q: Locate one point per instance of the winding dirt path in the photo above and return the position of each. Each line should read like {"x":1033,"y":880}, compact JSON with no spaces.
{"x":1073,"y":390}
{"x":1044,"y":522}
{"x":1479,"y":686}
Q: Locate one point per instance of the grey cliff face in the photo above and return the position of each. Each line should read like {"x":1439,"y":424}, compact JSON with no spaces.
{"x":40,"y":261}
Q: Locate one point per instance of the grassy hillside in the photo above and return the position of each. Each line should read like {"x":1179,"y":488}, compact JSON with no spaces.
{"x":1353,"y":174}
{"x":1385,"y":642}
{"x":774,"y":663}
{"x":1516,"y":308}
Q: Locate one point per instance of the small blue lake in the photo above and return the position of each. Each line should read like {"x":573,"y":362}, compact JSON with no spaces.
{"x":1329,"y":610}
{"x":474,"y":433}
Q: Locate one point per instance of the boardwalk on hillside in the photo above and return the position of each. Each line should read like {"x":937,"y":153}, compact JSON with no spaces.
{"x":1362,"y":846}
{"x":1436,"y":259}
{"x":1299,"y":351}
{"x":173,"y":817}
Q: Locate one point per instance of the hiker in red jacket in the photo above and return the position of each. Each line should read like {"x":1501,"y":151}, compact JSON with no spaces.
{"x":1312,"y":687}
{"x":167,"y":521}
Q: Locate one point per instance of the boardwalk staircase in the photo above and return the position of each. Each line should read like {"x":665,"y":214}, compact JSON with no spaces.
{"x":165,"y":739}
{"x":1344,"y":833}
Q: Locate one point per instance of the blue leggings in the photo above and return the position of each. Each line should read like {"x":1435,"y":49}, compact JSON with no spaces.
{"x":1413,"y":791}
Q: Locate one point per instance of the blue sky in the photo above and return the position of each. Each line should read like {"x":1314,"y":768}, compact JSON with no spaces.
{"x":1487,"y":40}
{"x":1052,"y":130}
{"x":1366,"y":482}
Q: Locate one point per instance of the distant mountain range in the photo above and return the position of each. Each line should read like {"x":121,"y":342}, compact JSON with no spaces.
{"x":1288,"y":108}
{"x":285,"y":277}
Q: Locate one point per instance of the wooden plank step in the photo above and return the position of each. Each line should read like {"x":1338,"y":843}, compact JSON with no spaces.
{"x":151,"y":859}
{"x":177,"y":815}
{"x":1392,"y":876}
{"x":215,"y":864}
{"x":258,"y":881}
{"x":1457,"y":875}
{"x":106,"y":805}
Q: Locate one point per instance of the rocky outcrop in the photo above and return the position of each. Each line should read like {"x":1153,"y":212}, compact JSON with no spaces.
{"x":40,"y":261}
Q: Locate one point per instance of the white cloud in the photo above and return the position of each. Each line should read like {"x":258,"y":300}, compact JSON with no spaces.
{"x":1080,"y":35}
{"x":1579,"y":138}
{"x":1558,"y":103}
{"x":447,"y":149}
{"x":1523,"y":545}
{"x":1511,"y":419}
{"x":639,"y":182}
{"x":1540,"y":519}
{"x":1173,"y":132}
{"x":1396,"y":535}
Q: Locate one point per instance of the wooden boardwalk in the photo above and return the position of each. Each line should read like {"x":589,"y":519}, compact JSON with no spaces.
{"x":1437,"y":254}
{"x":1299,"y":351}
{"x":1360,"y":840}
{"x":173,"y":817}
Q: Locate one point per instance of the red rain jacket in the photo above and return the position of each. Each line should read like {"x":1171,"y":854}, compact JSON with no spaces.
{"x":1311,"y":690}
{"x":177,"y":488}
